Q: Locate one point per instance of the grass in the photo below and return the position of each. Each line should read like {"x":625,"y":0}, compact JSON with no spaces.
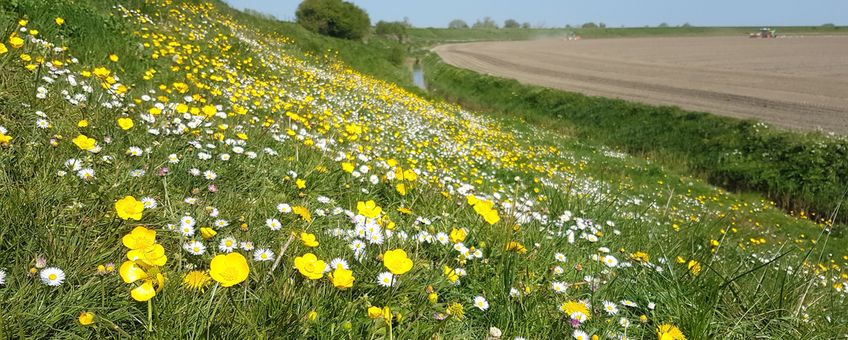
{"x":269,"y":124}
{"x":800,"y":172}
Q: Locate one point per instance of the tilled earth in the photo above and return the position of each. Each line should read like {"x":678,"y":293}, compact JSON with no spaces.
{"x":795,"y":82}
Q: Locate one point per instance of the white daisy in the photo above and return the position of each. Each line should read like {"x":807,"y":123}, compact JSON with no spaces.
{"x":263,"y":255}
{"x":386,"y":279}
{"x":273,"y":224}
{"x":134,"y":151}
{"x":610,"y":308}
{"x":52,"y":276}
{"x":149,"y":202}
{"x":284,"y":208}
{"x":228,"y":244}
{"x":580,"y":335}
{"x":442,"y":238}
{"x":86,"y":174}
{"x":481,"y":303}
{"x":2,"y":277}
{"x":339,"y":262}
{"x":210,"y":175}
{"x":610,"y":261}
{"x":195,"y":248}
{"x":246,"y":245}
{"x":559,"y":287}
{"x":560,"y":257}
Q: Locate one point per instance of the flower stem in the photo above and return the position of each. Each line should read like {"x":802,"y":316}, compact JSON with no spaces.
{"x":150,"y":315}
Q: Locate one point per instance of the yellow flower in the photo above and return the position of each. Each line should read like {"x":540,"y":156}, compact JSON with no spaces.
{"x":310,"y":266}
{"x":144,"y":292}
{"x":102,"y":72}
{"x":131,"y":272}
{"x":139,"y":238}
{"x":209,"y":110}
{"x":515,"y":246}
{"x":86,"y":318}
{"x":433,"y":298}
{"x":571,"y":307}
{"x":60,"y":21}
{"x":694,"y":267}
{"x":312,"y":315}
{"x":113,"y":58}
{"x":308,"y":240}
{"x":342,"y":278}
{"x":669,"y":332}
{"x":348,"y":167}
{"x":375,"y":312}
{"x":84,"y":142}
{"x":458,"y":235}
{"x":16,"y":42}
{"x":401,"y":189}
{"x":301,"y":184}
{"x":3,"y":48}
{"x":397,"y":262}
{"x":368,"y":209}
{"x":5,"y":139}
{"x":196,"y":280}
{"x":229,"y":270}
{"x":456,"y":310}
{"x":82,"y":123}
{"x":129,"y":208}
{"x":484,"y":209}
{"x":153,"y":255}
{"x":450,"y":273}
{"x":207,"y":233}
{"x":303,"y":213}
{"x":125,"y":123}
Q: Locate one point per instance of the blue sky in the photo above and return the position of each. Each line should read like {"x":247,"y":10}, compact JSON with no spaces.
{"x":615,"y":13}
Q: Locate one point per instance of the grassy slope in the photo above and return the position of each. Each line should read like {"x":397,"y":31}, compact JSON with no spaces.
{"x":629,"y":204}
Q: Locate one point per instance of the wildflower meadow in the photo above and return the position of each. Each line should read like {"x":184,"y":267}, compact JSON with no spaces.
{"x":170,"y":170}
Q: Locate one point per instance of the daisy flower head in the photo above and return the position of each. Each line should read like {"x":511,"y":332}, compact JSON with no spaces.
{"x":195,"y":248}
{"x":580,"y":335}
{"x":339,"y":263}
{"x":273,"y":224}
{"x":52,"y":276}
{"x":227,"y":244}
{"x":386,"y":279}
{"x":481,"y":303}
{"x":149,"y":202}
{"x":263,"y":254}
{"x":610,"y":308}
{"x":2,"y":277}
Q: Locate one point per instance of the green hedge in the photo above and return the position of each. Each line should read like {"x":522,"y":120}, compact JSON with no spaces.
{"x":799,"y":171}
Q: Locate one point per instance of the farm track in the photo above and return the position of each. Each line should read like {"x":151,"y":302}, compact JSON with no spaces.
{"x":798,"y":83}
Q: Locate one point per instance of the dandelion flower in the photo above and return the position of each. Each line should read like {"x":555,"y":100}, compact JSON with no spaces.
{"x":196,"y":280}
{"x":669,"y":332}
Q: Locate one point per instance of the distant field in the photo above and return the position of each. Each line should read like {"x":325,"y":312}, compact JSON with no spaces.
{"x":427,"y":36}
{"x":796,"y":82}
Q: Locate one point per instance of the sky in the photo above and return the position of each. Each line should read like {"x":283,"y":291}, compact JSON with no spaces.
{"x":614,"y":13}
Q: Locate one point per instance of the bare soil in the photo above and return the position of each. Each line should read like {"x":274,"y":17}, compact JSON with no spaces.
{"x":799,"y":83}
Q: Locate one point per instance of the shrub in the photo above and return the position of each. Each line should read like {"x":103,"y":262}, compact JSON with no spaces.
{"x":335,"y":18}
{"x":395,"y":29}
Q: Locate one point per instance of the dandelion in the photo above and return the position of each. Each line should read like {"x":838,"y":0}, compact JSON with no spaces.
{"x":456,"y":310}
{"x":52,"y":276}
{"x":196,"y":280}
{"x":694,"y":267}
{"x":262,"y":255}
{"x":481,"y":303}
{"x":669,"y":332}
{"x":576,"y":310}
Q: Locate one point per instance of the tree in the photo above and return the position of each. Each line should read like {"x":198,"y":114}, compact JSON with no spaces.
{"x":589,"y":25}
{"x":335,"y":18}
{"x":602,"y":25}
{"x":396,"y":29}
{"x":663,"y":25}
{"x":457,"y":24}
{"x":486,"y":23}
{"x":526,"y":25}
{"x":510,"y":23}
{"x":686,"y":25}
